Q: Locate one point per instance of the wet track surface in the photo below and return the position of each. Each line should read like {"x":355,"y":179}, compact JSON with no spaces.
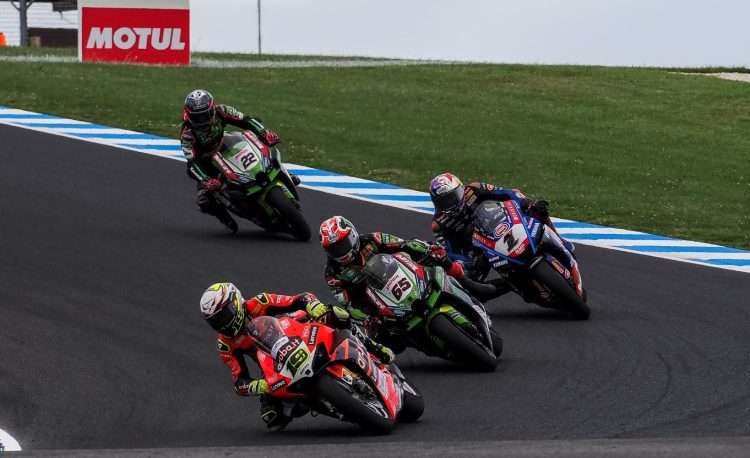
{"x":104,"y":257}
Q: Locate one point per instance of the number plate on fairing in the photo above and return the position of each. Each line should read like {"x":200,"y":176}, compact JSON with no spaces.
{"x":292,"y":359}
{"x":399,"y":291}
{"x":247,"y":160}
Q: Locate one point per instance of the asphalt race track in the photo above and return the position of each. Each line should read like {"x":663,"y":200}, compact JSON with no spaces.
{"x":104,"y":257}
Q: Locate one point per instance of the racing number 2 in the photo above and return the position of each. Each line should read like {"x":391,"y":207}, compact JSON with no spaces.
{"x":400,"y":288}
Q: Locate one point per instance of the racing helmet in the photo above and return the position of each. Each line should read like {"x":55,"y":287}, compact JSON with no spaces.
{"x":223,"y":307}
{"x":447,"y":192}
{"x":339,"y":239}
{"x":199,"y":109}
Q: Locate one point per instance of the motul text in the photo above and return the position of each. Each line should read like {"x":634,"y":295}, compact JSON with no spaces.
{"x":140,"y":37}
{"x":144,"y":35}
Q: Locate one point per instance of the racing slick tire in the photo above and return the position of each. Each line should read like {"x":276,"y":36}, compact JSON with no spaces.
{"x":290,"y":213}
{"x":565,"y":293}
{"x":413,"y":407}
{"x":464,"y":348}
{"x":344,"y":399}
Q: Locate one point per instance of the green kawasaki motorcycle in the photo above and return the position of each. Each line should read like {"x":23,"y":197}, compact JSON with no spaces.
{"x":257,"y":187}
{"x":424,"y":308}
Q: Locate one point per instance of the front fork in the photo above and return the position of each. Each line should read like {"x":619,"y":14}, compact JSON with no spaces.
{"x":479,"y":331}
{"x":554,"y":245}
{"x":285,"y":176}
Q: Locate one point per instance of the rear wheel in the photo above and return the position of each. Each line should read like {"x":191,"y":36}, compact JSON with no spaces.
{"x":563,"y":291}
{"x":290,"y":213}
{"x":464,"y":348}
{"x":365,"y":409}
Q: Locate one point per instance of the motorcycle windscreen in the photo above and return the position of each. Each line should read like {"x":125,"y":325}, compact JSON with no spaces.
{"x":379,"y":269}
{"x":491,"y":218}
{"x":267,"y":333}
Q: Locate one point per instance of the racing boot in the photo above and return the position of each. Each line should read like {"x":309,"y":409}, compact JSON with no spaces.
{"x":272,"y":413}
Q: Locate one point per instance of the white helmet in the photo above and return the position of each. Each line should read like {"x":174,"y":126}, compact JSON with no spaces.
{"x":223,"y":307}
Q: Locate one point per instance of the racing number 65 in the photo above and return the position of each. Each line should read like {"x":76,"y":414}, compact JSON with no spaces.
{"x":400,"y":287}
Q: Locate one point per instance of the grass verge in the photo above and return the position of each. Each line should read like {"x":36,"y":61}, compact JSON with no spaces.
{"x":643,"y":149}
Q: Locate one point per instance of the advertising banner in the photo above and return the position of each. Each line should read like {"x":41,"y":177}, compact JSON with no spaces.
{"x":137,"y":31}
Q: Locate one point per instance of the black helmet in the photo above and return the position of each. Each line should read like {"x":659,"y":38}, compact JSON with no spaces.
{"x":223,"y":307}
{"x":200,"y":109}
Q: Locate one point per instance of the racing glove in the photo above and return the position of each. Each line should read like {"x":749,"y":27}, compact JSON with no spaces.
{"x":456,"y":270}
{"x":384,"y":353}
{"x":212,"y":184}
{"x":540,"y":209}
{"x":438,"y":252}
{"x":251,"y":387}
{"x":317,"y":310}
{"x":270,"y":137}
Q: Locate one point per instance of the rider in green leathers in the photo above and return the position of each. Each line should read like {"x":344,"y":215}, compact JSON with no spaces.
{"x":203,"y":123}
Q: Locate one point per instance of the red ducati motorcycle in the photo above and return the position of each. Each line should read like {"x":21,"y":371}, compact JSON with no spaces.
{"x":319,"y":369}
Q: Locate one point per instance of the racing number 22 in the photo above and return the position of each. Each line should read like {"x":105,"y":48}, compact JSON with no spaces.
{"x":247,"y":159}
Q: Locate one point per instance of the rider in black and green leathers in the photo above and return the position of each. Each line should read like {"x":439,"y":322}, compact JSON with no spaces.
{"x":347,"y":253}
{"x":203,"y":123}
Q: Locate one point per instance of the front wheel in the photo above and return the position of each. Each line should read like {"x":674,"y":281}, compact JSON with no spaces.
{"x":464,"y":348}
{"x":413,"y":404}
{"x":563,"y":291}
{"x":365,"y":409}
{"x":289,"y":213}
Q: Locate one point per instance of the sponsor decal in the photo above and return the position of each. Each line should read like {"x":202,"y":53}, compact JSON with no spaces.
{"x":288,"y":349}
{"x":484,"y":241}
{"x":117,"y":33}
{"x":278,"y":385}
{"x":510,"y":207}
{"x":296,"y":360}
{"x":222,"y":346}
{"x":520,"y":249}
{"x":384,"y":310}
{"x":284,"y":341}
{"x":535,"y":230}
{"x":560,"y":268}
{"x":501,"y":229}
{"x":313,"y":335}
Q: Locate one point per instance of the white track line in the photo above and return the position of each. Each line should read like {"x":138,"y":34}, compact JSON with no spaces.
{"x":8,"y":443}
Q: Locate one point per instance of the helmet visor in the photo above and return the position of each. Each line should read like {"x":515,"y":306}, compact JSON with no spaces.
{"x":343,"y":249}
{"x":227,"y":322}
{"x":201,"y":118}
{"x":450,"y":200}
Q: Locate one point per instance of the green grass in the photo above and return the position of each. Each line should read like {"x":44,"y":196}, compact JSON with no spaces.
{"x":73,"y":52}
{"x":643,"y":149}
